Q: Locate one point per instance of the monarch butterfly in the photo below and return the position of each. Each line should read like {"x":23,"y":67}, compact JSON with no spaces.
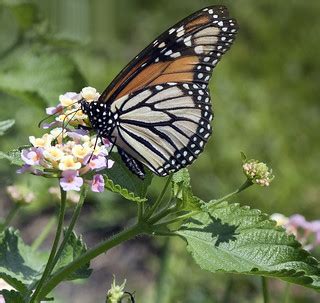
{"x":157,"y":111}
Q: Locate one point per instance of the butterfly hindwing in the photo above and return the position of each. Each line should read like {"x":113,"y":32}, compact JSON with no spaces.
{"x":164,"y":127}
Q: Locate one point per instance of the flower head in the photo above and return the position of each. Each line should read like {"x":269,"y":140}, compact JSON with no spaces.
{"x":306,"y":232}
{"x":257,"y":172}
{"x":20,"y":194}
{"x":73,"y":155}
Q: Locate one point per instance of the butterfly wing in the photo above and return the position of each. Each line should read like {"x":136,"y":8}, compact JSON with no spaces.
{"x":187,"y":52}
{"x":162,"y":97}
{"x":165,"y":127}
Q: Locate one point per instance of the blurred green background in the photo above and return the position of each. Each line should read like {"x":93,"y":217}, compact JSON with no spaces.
{"x":266,"y":94}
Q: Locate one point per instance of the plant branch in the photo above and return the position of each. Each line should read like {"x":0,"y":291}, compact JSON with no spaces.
{"x":47,"y":270}
{"x":73,"y":221}
{"x":89,"y":255}
{"x":245,"y":185}
{"x":159,"y":200}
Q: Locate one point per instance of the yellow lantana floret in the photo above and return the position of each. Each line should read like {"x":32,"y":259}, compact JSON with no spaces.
{"x":44,"y":141}
{"x":80,"y":151}
{"x":66,"y":100}
{"x":68,"y":163}
{"x":53,"y":153}
{"x":90,"y":94}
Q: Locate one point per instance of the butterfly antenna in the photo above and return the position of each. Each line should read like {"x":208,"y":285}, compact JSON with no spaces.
{"x":131,"y":296}
{"x":94,"y":148}
{"x":112,"y":146}
{"x":64,"y":126}
{"x":58,"y":111}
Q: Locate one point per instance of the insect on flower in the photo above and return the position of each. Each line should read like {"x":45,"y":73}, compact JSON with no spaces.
{"x":157,"y":111}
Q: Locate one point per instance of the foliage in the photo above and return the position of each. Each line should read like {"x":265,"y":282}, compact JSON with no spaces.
{"x":235,"y":239}
{"x":265,"y":98}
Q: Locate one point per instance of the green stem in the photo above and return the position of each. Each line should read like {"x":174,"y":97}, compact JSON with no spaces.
{"x":11,"y":214}
{"x":245,"y":185}
{"x":179,"y":218}
{"x":158,"y":201}
{"x":286,"y":295}
{"x":89,"y":255}
{"x":165,"y":212}
{"x":46,"y":230}
{"x":75,"y":216}
{"x":140,"y":211}
{"x":47,"y":270}
{"x":265,"y":289}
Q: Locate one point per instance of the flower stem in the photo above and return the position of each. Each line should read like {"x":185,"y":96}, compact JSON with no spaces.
{"x":89,"y":255}
{"x":140,"y":211}
{"x":47,"y":270}
{"x":158,"y":201}
{"x":245,"y":185}
{"x":265,"y":289}
{"x":46,"y":230}
{"x":75,"y":216}
{"x":10,"y":216}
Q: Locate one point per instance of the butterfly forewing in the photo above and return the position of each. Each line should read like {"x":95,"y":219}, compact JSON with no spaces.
{"x":187,"y":52}
{"x":161,"y":100}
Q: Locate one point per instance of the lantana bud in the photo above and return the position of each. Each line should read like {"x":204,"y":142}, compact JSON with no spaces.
{"x":257,"y":172}
{"x":116,"y":292}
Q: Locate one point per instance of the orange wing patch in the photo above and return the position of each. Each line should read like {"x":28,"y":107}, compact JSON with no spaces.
{"x":179,"y":70}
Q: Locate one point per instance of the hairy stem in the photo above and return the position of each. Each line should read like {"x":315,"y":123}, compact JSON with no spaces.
{"x":89,"y":255}
{"x":73,"y":221}
{"x":47,"y":270}
{"x":159,"y":200}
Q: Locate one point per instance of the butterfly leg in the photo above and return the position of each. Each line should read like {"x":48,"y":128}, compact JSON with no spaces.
{"x":135,"y":166}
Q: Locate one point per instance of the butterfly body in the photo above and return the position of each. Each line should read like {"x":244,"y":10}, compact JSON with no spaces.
{"x":102,"y":120}
{"x":158,"y":109}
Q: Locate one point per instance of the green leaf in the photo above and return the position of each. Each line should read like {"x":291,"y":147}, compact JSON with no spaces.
{"x":5,"y":125}
{"x":120,"y":179}
{"x":37,"y":75}
{"x":74,"y":248}
{"x":238,"y":239}
{"x":14,"y":156}
{"x":181,"y":189}
{"x":12,"y":296}
{"x":18,"y":262}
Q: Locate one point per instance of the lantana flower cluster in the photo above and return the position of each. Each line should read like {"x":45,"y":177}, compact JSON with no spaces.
{"x":306,"y":232}
{"x":257,"y":172}
{"x":19,"y":194}
{"x":73,"y":155}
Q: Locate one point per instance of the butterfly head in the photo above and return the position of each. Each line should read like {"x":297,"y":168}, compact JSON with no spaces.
{"x":103,"y":121}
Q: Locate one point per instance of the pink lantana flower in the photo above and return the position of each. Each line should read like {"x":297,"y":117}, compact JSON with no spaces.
{"x":97,"y":183}
{"x":32,"y":156}
{"x":70,"y":180}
